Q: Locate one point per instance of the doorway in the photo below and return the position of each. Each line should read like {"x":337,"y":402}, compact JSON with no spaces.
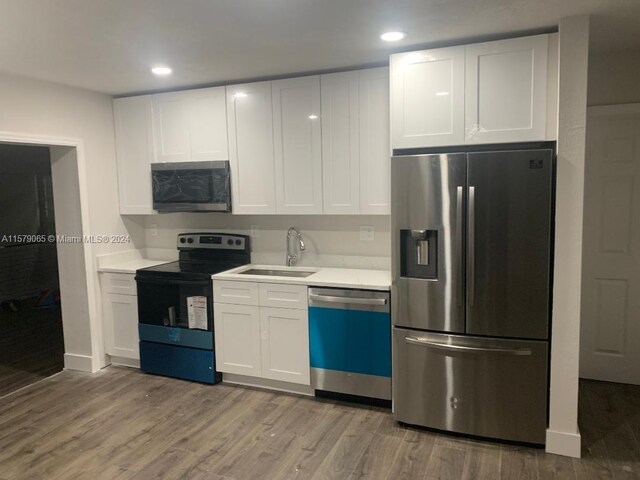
{"x":609,"y":395}
{"x":31,"y":344}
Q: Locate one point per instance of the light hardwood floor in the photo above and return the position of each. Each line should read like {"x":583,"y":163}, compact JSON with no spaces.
{"x":122,"y":424}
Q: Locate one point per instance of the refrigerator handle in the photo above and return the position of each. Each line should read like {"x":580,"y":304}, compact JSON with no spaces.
{"x":471,"y":273}
{"x":463,"y":348}
{"x":459,"y":246}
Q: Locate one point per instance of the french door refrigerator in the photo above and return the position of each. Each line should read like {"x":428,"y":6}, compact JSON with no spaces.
{"x":471,"y":239}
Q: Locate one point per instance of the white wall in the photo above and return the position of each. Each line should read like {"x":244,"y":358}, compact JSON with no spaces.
{"x":32,"y":108}
{"x":614,"y":78}
{"x":331,"y":240}
{"x":563,"y":436}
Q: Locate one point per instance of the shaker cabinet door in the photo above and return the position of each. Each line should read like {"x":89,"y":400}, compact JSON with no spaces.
{"x":298,"y":156}
{"x":427,"y":98}
{"x":506,"y":90}
{"x":250,"y":120}
{"x":237,"y":339}
{"x":134,"y":153}
{"x":121,"y":325}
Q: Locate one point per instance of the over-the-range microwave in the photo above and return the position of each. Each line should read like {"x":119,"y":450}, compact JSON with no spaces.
{"x":191,"y":186}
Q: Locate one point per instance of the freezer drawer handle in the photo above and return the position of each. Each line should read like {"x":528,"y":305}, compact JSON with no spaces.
{"x":347,"y":300}
{"x":462,"y":348}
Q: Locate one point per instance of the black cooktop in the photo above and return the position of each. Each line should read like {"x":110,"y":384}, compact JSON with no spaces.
{"x":202,"y":255}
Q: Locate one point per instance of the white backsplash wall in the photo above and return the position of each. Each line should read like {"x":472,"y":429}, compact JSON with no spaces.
{"x":331,"y":240}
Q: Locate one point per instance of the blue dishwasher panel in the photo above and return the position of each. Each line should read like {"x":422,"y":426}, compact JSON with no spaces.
{"x":179,"y":362}
{"x":350,"y":340}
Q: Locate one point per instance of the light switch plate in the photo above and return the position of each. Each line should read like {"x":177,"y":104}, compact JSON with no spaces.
{"x":255,"y":231}
{"x":366,"y":233}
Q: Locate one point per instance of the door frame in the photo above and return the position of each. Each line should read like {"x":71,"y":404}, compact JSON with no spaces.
{"x":65,"y":146}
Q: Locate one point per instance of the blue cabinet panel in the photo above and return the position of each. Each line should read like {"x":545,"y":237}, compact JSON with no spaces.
{"x":178,"y":362}
{"x":350,"y":340}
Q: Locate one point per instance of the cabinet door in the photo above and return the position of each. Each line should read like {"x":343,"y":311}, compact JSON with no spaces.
{"x":237,"y":339}
{"x":121,"y":325}
{"x":134,"y":153}
{"x":191,"y":125}
{"x":296,"y":127}
{"x":340,"y":143}
{"x":207,"y":116}
{"x":506,"y":90}
{"x":285,"y":345}
{"x":375,"y":154}
{"x":427,"y":98}
{"x":250,"y":121}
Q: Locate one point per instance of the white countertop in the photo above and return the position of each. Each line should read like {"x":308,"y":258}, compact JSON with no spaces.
{"x":130,"y":266}
{"x":322,"y":277}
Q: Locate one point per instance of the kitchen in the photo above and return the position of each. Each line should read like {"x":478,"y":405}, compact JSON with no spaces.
{"x":301,"y":164}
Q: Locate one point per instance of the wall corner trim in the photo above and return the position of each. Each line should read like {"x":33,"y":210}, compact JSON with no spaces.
{"x":563,"y":443}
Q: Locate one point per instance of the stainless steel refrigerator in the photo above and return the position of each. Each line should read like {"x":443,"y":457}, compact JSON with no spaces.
{"x":471,"y":239}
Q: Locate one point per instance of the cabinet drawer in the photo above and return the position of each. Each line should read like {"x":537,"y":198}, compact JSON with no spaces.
{"x":283,"y":296}
{"x":238,"y":293}
{"x":122,"y":283}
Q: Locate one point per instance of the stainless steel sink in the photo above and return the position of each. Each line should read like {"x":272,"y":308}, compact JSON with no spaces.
{"x":277,"y":273}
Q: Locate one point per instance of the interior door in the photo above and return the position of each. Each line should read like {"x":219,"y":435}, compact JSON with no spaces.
{"x":427,"y":198}
{"x":508,"y":243}
{"x":610,"y":326}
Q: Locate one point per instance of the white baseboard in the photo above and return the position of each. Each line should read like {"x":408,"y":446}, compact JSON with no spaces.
{"x":562,"y":443}
{"x":127,"y":362}
{"x":83,"y":363}
{"x":235,"y":379}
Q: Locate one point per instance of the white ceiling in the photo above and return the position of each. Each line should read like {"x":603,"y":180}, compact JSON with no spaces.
{"x":109,"y":45}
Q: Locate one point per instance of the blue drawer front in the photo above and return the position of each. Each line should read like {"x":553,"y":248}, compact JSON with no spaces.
{"x":350,"y":341}
{"x":176,"y":336}
{"x":178,"y":362}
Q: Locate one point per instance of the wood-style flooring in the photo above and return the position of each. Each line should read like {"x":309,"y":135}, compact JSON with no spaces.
{"x":31,"y":345}
{"x":122,"y":424}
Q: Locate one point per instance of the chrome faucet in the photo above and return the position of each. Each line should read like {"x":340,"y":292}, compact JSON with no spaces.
{"x":293,"y":257}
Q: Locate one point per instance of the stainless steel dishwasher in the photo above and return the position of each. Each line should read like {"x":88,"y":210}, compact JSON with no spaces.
{"x":350,"y":342}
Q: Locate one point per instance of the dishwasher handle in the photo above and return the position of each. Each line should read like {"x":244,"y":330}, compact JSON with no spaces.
{"x":377,"y":302}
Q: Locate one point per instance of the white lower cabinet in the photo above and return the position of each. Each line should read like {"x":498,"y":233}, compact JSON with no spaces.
{"x":285,"y":344}
{"x":262,"y":340}
{"x":120,"y":315}
{"x":237,"y":336}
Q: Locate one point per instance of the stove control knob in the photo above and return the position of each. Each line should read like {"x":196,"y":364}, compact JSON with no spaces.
{"x":182,"y":240}
{"x":238,"y":242}
{"x":189,"y":240}
{"x":230,"y":242}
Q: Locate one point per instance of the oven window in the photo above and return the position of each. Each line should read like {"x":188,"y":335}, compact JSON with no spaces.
{"x":191,"y":186}
{"x":169,"y":303}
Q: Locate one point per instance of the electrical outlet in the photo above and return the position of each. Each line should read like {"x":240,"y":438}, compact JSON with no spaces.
{"x":366,"y":233}
{"x":154,"y":229}
{"x":255,"y":231}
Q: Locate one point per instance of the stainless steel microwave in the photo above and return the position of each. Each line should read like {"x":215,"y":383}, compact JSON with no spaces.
{"x":191,"y":186}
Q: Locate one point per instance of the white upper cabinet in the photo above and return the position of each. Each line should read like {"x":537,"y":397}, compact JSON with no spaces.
{"x":375,"y":153}
{"x":506,"y":90}
{"x":427,"y":98}
{"x":298,"y":158}
{"x":356,"y":158}
{"x":191,"y":125}
{"x":340,"y":142}
{"x":251,"y":156}
{"x":134,"y":153}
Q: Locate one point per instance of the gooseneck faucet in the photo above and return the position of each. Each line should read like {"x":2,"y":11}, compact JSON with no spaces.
{"x":292,"y":257}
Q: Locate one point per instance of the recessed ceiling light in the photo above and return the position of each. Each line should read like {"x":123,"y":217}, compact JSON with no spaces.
{"x":239,"y":95}
{"x":161,"y":71}
{"x":312,"y":117}
{"x":442,"y":94}
{"x":392,"y":36}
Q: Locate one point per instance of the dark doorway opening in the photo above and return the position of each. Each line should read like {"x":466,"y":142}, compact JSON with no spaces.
{"x":31,"y":339}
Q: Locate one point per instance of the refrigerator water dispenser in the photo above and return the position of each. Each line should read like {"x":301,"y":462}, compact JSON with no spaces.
{"x":419,"y":253}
